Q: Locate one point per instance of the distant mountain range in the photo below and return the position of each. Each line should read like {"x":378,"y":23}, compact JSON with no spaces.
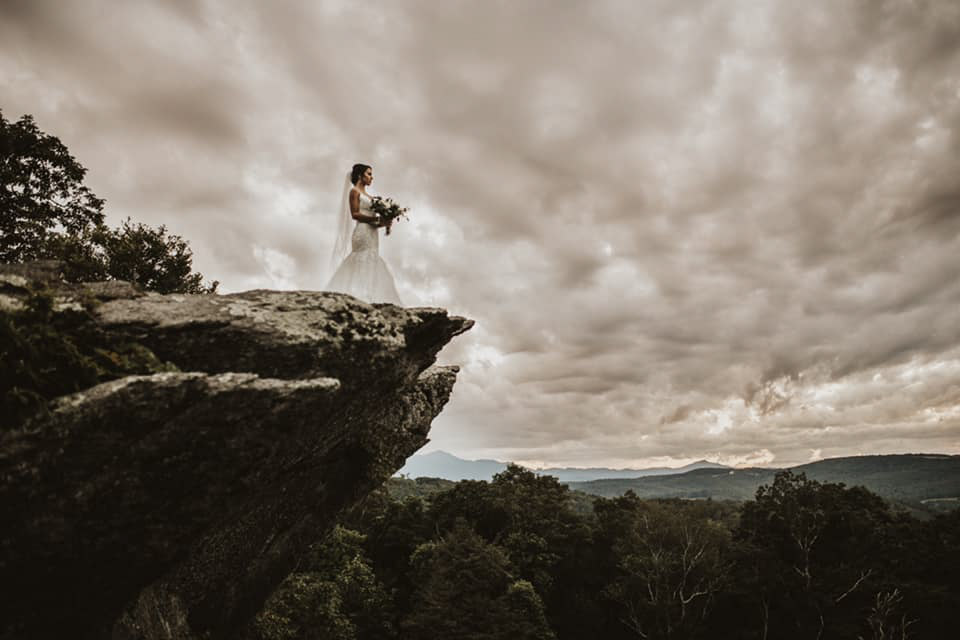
{"x":929,"y":482}
{"x":440,"y":464}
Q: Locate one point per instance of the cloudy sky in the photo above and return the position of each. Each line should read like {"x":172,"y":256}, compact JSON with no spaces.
{"x":716,"y":229}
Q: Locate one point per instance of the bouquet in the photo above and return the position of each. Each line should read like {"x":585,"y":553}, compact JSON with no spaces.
{"x":388,"y":210}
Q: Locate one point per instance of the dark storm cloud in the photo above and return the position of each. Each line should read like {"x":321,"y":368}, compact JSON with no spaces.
{"x":686,"y":230}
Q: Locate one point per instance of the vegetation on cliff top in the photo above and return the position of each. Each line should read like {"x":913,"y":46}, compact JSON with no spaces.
{"x":47,"y":213}
{"x":47,"y":353}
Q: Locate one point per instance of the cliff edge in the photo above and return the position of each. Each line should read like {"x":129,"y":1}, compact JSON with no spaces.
{"x":170,"y":505}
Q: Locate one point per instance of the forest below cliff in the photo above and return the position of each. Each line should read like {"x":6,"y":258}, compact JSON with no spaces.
{"x":521,"y":557}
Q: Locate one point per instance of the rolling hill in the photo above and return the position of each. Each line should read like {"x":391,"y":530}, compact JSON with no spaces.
{"x":913,"y":479}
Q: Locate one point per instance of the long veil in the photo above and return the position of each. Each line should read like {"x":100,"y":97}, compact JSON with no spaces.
{"x":341,"y":246}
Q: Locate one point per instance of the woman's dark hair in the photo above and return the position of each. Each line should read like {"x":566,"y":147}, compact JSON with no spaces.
{"x":358,"y":170}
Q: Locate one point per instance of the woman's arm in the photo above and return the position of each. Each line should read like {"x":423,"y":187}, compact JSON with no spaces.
{"x":355,"y":209}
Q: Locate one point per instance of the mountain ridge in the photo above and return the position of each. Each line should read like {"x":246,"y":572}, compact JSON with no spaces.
{"x":441,"y":464}
{"x":921,"y":481}
{"x":910,"y":479}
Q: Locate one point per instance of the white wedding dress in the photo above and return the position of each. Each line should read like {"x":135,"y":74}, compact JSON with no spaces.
{"x":363,"y":273}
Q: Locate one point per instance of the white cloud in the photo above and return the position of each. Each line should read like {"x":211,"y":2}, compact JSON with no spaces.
{"x":684,"y":229}
{"x":277,"y":266}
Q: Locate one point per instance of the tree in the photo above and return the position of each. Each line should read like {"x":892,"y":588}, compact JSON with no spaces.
{"x":334,"y":594}
{"x":885,"y":622}
{"x":151,"y":258}
{"x":671,"y":563}
{"x":817,"y":552}
{"x":468,"y":592}
{"x":924,"y":557}
{"x":46,"y":212}
{"x":42,"y":195}
{"x":394,"y":529}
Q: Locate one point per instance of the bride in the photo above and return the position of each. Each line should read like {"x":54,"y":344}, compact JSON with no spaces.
{"x":363,"y":273}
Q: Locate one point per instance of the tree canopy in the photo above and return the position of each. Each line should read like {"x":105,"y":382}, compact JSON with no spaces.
{"x":42,"y":194}
{"x":49,"y":213}
{"x":511,"y":558}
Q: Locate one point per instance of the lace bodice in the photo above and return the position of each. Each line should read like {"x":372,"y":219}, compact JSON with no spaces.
{"x":366,"y":236}
{"x":365,"y":202}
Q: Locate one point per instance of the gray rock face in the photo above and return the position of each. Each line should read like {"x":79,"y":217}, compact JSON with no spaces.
{"x":171,"y":505}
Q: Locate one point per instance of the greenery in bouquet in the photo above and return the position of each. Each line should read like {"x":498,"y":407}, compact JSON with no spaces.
{"x":388,"y":209}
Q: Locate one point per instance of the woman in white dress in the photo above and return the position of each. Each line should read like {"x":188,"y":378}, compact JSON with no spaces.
{"x":363,"y":273}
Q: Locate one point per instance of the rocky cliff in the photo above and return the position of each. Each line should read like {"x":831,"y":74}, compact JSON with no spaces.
{"x":170,"y":505}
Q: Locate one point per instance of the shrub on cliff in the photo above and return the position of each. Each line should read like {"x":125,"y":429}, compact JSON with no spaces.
{"x":46,"y":353}
{"x":46,"y":212}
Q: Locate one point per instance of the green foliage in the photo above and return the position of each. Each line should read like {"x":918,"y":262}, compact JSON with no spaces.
{"x":527,"y":515}
{"x":817,"y":550}
{"x":671,"y":564}
{"x":468,"y":591}
{"x":885,"y":621}
{"x":924,"y":556}
{"x":334,"y":595}
{"x":511,"y":558}
{"x":47,"y":213}
{"x":42,"y":198}
{"x":46,"y":352}
{"x":526,"y":612}
{"x":307,"y":606}
{"x":150,"y":258}
{"x":921,"y":484}
{"x":394,"y":527}
{"x":401,"y":488}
